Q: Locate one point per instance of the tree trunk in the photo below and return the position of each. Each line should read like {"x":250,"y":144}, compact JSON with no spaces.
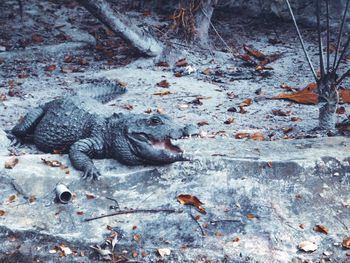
{"x":203,"y":20}
{"x":119,"y":24}
{"x":329,"y":98}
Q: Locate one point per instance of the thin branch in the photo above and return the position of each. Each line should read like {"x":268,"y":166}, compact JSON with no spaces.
{"x":123,"y":212}
{"x":346,"y":74}
{"x":328,"y":29}
{"x":302,"y":41}
{"x":320,"y":49}
{"x":340,"y":34}
{"x":199,"y":225}
{"x":342,"y":54}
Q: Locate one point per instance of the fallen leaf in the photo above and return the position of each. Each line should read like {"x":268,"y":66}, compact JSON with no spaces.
{"x":89,"y":195}
{"x":80,"y":213}
{"x":50,"y":67}
{"x":162,"y":64}
{"x":268,"y":59}
{"x":344,"y":96}
{"x":162,"y":93}
{"x":242,"y":135}
{"x":236,"y":239}
{"x":287,"y":130}
{"x":37,"y":39}
{"x":254,"y":52}
{"x":164,"y":84}
{"x":164,"y":252}
{"x":2,"y":212}
{"x":185,"y":199}
{"x":11,"y":199}
{"x":257,"y":136}
{"x":178,"y":74}
{"x":207,"y":71}
{"x":202,"y":123}
{"x":242,"y":110}
{"x":246,"y":102}
{"x":294,"y":119}
{"x":346,"y":242}
{"x":137,"y":237}
{"x":127,"y":106}
{"x":11,"y":163}
{"x":251,"y":216}
{"x":181,"y":63}
{"x":160,"y":111}
{"x":340,"y":110}
{"x":229,"y":120}
{"x":281,"y":113}
{"x":308,"y":95}
{"x":3,"y":97}
{"x":307,"y":246}
{"x":321,"y":229}
{"x":65,"y":250}
{"x":302,"y":226}
{"x":68,"y":59}
{"x":53,"y":163}
{"x":134,"y":254}
{"x":32,"y":199}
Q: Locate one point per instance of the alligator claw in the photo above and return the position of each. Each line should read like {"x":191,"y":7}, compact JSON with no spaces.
{"x":92,"y":173}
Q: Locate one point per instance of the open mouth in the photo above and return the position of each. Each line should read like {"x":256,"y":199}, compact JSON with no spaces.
{"x":164,"y":144}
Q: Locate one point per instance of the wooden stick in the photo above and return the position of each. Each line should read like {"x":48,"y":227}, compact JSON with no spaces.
{"x":123,"y":212}
{"x":119,"y":24}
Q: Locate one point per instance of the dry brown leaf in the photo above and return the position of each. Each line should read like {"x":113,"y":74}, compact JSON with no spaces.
{"x":134,"y":254}
{"x":294,"y":119}
{"x":254,"y":52}
{"x":308,"y":95}
{"x":346,"y":242}
{"x":269,"y":164}
{"x":251,"y":216}
{"x":178,"y":74}
{"x":257,"y":136}
{"x":281,"y":113}
{"x":2,"y":212}
{"x":11,"y":163}
{"x":53,"y":163}
{"x":181,"y":63}
{"x":247,"y":58}
{"x":246,"y":102}
{"x":162,"y":93}
{"x":242,"y":110}
{"x":37,"y":39}
{"x":340,"y":110}
{"x":229,"y":120}
{"x":68,"y":59}
{"x":268,"y":59}
{"x":191,"y":200}
{"x":202,"y":123}
{"x":51,"y":67}
{"x":321,"y":229}
{"x":344,"y":95}
{"x":287,"y":130}
{"x":162,"y":64}
{"x":89,"y":195}
{"x":207,"y":71}
{"x":242,"y":135}
{"x":137,"y":237}
{"x":164,"y":84}
{"x":3,"y":97}
{"x":32,"y":199}
{"x":11,"y":199}
{"x":302,"y":226}
{"x":236,"y":239}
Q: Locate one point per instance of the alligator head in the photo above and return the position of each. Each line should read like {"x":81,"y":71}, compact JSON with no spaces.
{"x":141,"y":138}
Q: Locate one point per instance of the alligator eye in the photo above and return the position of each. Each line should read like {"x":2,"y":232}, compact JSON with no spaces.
{"x":155,"y":121}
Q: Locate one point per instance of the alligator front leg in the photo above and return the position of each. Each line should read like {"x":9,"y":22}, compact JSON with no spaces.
{"x":82,"y":151}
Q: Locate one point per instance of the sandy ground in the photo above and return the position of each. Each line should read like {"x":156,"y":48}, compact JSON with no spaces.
{"x":58,"y":46}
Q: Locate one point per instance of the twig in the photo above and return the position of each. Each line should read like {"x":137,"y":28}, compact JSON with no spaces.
{"x":123,"y":212}
{"x":199,"y":225}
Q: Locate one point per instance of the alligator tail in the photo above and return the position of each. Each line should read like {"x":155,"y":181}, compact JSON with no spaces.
{"x":102,"y":90}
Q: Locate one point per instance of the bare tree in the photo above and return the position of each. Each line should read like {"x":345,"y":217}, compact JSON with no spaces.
{"x":328,"y":81}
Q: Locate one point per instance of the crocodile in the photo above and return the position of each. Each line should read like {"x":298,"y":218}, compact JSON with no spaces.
{"x":76,"y":125}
